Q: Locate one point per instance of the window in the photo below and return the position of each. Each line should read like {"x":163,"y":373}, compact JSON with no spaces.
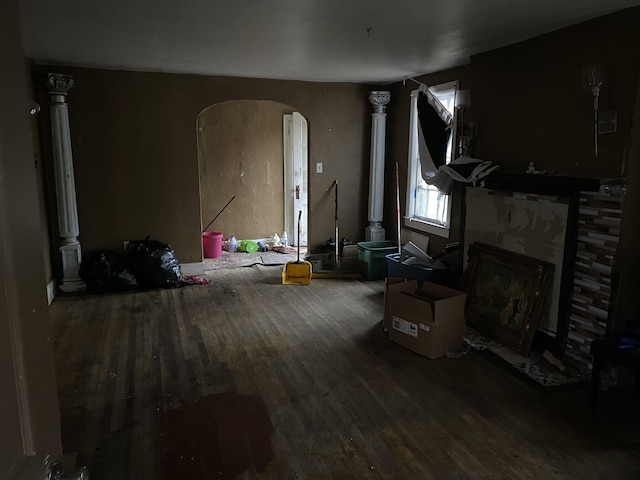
{"x":428,"y":209}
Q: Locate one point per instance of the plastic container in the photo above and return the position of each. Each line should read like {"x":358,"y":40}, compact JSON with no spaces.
{"x":233,"y":244}
{"x":248,"y":246}
{"x":441,"y":276}
{"x":372,"y":258}
{"x":212,"y":244}
{"x":284,"y":239}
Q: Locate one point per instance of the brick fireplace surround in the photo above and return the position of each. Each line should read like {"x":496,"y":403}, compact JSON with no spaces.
{"x":591,"y":301}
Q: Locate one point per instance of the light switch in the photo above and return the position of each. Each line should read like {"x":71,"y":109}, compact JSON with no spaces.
{"x":319,"y":167}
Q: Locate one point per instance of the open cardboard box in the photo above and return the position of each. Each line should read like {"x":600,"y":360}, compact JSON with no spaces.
{"x":428,"y":320}
{"x":386,"y":319}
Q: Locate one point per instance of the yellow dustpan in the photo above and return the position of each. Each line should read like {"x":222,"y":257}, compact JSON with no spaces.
{"x":298,"y":271}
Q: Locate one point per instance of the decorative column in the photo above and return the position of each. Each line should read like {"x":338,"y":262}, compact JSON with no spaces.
{"x":374,"y":232}
{"x":58,"y":86}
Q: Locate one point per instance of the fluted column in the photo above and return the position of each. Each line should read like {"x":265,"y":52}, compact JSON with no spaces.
{"x":58,"y":86}
{"x":374,"y":232}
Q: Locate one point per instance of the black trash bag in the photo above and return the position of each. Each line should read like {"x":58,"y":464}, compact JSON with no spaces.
{"x":154,"y":263}
{"x":105,"y":271}
{"x":328,"y":245}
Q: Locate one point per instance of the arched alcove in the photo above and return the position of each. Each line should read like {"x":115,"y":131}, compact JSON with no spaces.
{"x":240,"y":152}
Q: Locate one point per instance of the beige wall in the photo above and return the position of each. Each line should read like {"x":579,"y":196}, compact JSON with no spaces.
{"x":136,"y":160}
{"x":530,"y":106}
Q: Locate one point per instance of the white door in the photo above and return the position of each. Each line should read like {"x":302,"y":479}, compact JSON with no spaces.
{"x":296,"y":177}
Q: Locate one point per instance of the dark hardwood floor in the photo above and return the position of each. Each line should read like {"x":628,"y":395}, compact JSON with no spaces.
{"x":247,"y":378}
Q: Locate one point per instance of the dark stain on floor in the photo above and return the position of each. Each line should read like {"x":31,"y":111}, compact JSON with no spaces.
{"x":219,"y":436}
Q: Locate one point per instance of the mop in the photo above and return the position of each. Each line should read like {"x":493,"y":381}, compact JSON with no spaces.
{"x":337,"y":273}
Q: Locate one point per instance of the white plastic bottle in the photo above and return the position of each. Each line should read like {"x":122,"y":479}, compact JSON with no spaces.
{"x":284,"y":239}
{"x":233,"y":244}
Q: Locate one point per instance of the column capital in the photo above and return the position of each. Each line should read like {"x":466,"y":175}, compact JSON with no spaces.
{"x":379,"y":100}
{"x":59,"y":84}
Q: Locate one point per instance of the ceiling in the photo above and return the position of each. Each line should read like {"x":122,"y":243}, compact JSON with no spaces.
{"x":364,"y":41}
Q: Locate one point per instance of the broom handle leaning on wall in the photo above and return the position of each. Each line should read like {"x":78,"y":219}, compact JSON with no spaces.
{"x":398,"y":207}
{"x":337,"y":240}
{"x":214,"y":218}
{"x":299,"y":217}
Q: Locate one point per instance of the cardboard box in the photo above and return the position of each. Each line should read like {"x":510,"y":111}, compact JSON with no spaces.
{"x":428,"y":320}
{"x":386,"y":319}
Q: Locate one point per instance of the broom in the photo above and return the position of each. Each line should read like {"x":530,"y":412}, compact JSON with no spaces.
{"x":298,"y":271}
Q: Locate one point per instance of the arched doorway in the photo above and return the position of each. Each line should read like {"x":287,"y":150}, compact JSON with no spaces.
{"x":241,"y":152}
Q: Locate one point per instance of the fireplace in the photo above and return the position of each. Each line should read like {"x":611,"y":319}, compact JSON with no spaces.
{"x":573,"y":223}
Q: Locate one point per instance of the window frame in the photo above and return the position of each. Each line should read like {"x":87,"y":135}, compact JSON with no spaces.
{"x":414,"y":168}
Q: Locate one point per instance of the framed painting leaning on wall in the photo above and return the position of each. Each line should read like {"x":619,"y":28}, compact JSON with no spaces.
{"x":506,"y":292}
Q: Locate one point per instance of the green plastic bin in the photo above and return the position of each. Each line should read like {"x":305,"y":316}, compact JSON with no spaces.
{"x":372,"y":257}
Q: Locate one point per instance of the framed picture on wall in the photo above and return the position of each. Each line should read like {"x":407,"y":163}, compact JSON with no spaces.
{"x":506,"y":292}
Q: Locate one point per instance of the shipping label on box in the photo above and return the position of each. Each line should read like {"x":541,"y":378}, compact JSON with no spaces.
{"x":405,"y":327}
{"x":428,"y":320}
{"x":386,"y":319}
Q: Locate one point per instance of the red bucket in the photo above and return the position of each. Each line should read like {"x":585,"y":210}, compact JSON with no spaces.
{"x":212,"y":244}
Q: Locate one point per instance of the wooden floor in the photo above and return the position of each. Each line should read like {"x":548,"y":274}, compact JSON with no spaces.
{"x":247,"y":378}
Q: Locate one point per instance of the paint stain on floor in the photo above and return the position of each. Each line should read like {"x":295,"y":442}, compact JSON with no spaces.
{"x":219,"y":436}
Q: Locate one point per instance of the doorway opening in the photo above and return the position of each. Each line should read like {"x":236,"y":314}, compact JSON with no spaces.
{"x":256,"y":150}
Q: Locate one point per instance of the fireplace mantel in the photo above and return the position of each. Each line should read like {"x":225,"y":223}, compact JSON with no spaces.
{"x":541,"y":184}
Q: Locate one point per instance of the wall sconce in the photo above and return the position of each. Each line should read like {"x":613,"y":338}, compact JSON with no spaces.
{"x":593,"y":78}
{"x":34,"y":108}
{"x":465,"y":138}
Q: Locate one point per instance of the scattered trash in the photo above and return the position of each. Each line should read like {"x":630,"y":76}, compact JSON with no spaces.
{"x":553,"y":360}
{"x":194,"y":280}
{"x":456,"y":354}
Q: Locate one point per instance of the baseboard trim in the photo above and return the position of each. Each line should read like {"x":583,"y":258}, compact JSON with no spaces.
{"x":51,"y":291}
{"x":196,"y":268}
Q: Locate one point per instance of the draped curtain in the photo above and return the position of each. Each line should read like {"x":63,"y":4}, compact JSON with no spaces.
{"x":434,"y":132}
